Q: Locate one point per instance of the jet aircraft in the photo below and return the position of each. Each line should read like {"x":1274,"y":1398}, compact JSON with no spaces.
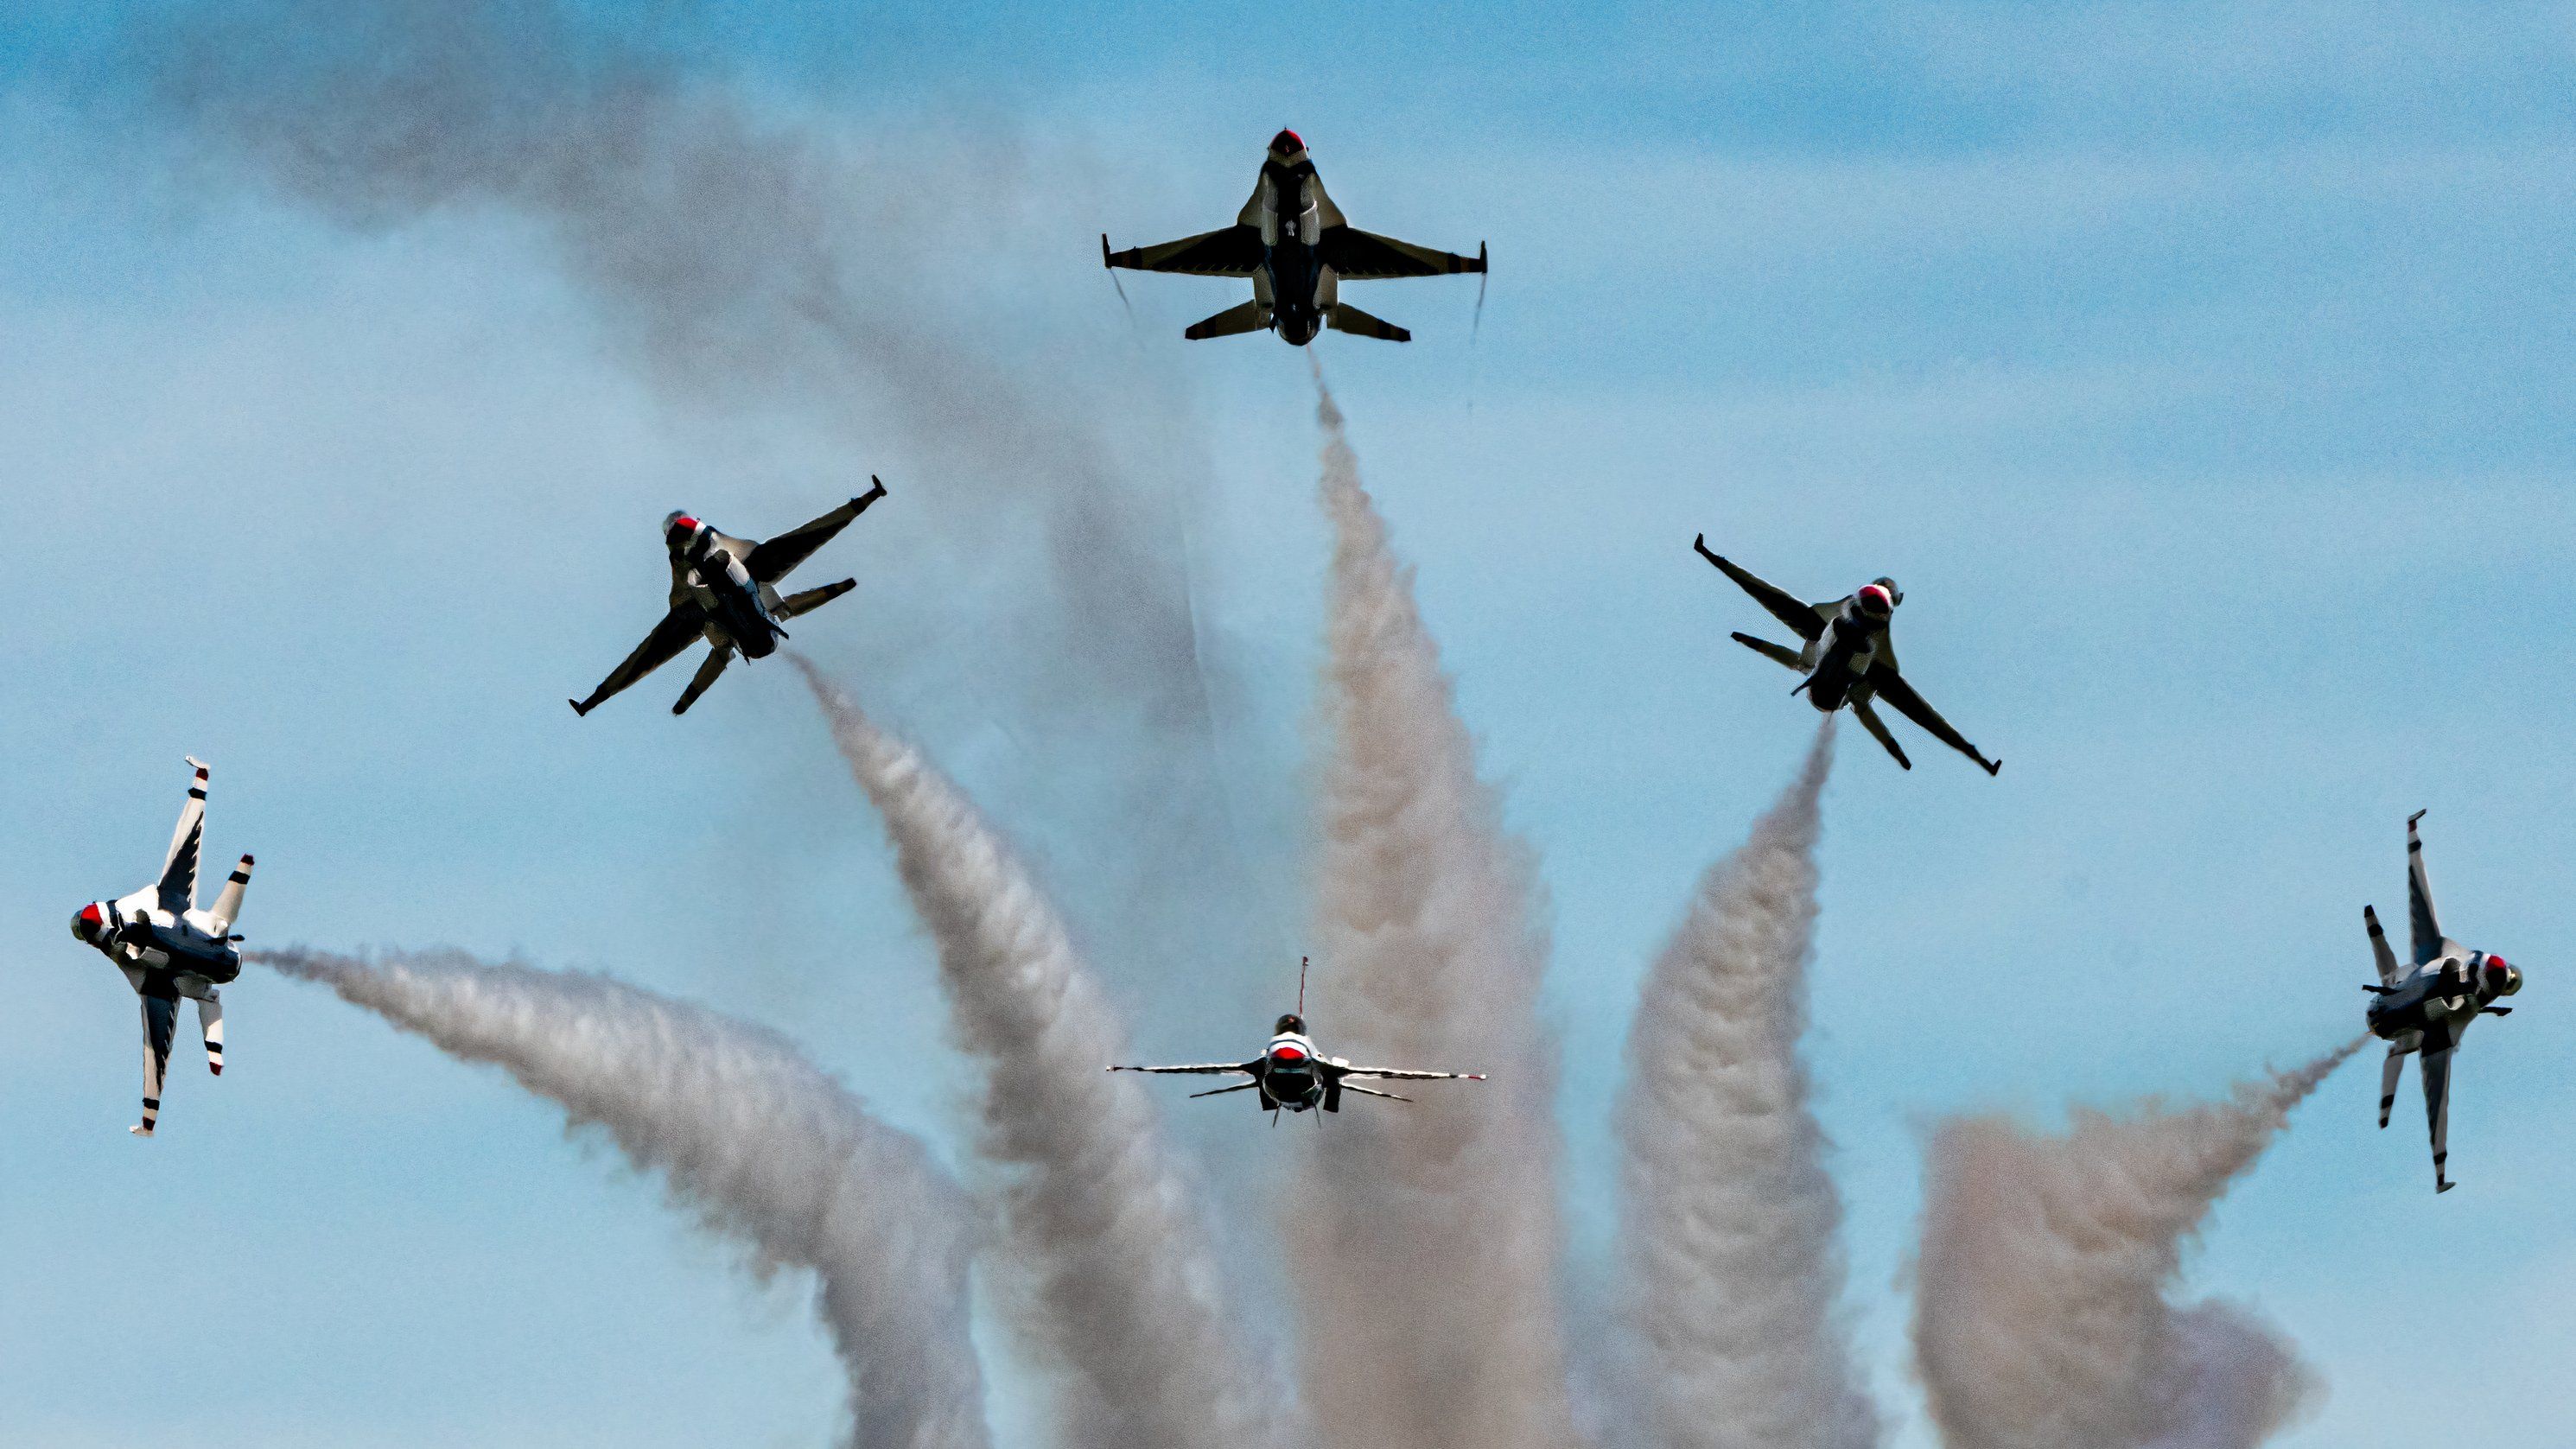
{"x":1291,"y":241}
{"x":167,"y":948}
{"x":1847,"y":658}
{"x":2424,"y":1006}
{"x":1292,"y":1073}
{"x":723,"y":590}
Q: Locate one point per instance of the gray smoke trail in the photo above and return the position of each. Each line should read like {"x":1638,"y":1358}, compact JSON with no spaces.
{"x":1730,"y":1224}
{"x":769,"y":1150}
{"x":1428,"y":1264}
{"x":2041,"y":1319}
{"x":1124,"y":1294}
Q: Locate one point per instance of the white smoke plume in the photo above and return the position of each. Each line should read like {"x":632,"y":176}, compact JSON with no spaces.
{"x":1730,"y":1228}
{"x":2041,"y":1311}
{"x":768,"y":1150}
{"x":1427,"y":1259}
{"x":1124,"y":1295}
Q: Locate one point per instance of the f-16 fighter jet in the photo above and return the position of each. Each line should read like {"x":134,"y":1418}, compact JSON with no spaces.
{"x":1291,"y":1073}
{"x":723,"y":591}
{"x":1293,"y":243}
{"x":1848,"y":657}
{"x":2423,"y":1007}
{"x":169,"y":949}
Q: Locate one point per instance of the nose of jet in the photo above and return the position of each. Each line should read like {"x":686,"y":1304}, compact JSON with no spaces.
{"x":88,"y":922}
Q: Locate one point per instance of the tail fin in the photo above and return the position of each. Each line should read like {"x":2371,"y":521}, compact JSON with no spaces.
{"x":228,"y":904}
{"x":812,"y":599}
{"x":210,"y":1018}
{"x":1250,"y":317}
{"x":1346,"y":318}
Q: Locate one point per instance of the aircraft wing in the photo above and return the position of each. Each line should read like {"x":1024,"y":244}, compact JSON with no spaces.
{"x":160,"y":1024}
{"x":2435,"y":1068}
{"x":2424,"y":926}
{"x":1782,"y":605}
{"x":678,"y":628}
{"x":178,"y":884}
{"x":1233,"y":251}
{"x":1397,"y":1074}
{"x":1200,"y":1069}
{"x":771,"y":559}
{"x":1363,"y":256}
{"x":1891,"y":686}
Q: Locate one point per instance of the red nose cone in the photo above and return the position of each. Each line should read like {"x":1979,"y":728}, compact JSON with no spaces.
{"x":1287,"y":1054}
{"x":1874,"y":599}
{"x":90,"y":914}
{"x":684,"y":524}
{"x":1287,"y":143}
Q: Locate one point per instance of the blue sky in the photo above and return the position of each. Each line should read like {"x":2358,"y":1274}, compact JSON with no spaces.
{"x":2198,"y":369}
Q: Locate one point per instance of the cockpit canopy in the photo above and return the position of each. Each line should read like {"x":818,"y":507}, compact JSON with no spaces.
{"x":2502,"y":979}
{"x":1291,"y":1022}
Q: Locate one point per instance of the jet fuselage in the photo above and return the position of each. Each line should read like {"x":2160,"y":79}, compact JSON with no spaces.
{"x":142,"y":939}
{"x":1300,"y":287}
{"x":1838,"y":661}
{"x":2441,"y":997}
{"x":1288,"y":1076}
{"x":708,"y":567}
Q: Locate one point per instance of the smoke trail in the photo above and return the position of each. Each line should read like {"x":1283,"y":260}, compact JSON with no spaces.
{"x":1125,"y":1294}
{"x":1730,"y":1223}
{"x":769,"y":1150}
{"x":2040,"y":1312}
{"x":1428,"y":1267}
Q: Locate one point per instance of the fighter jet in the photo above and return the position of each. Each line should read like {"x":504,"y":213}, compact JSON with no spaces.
{"x":2425,"y":1006}
{"x":1293,"y":243}
{"x":1848,"y":657}
{"x":168,"y":948}
{"x":723,"y":591}
{"x":1290,"y":1073}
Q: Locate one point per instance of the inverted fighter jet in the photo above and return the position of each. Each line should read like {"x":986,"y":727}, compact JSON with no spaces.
{"x":168,"y":948}
{"x":1293,"y":243}
{"x":1847,"y":657}
{"x":1291,"y":1073}
{"x":723,"y":591}
{"x":2424,"y":1006}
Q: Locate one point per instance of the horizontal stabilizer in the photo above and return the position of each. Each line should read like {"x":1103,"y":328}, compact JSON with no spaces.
{"x":210,"y":1016}
{"x":812,"y":599}
{"x":1768,"y":650}
{"x":1250,"y":317}
{"x":717,"y":659}
{"x":1346,"y":318}
{"x":228,"y":902}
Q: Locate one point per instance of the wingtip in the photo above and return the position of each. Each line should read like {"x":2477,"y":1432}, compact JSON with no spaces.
{"x":1993,"y":767}
{"x":139,"y":1130}
{"x":2411,"y":819}
{"x":2443,"y":1187}
{"x":1104,"y":250}
{"x":576,"y":707}
{"x":199,"y":765}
